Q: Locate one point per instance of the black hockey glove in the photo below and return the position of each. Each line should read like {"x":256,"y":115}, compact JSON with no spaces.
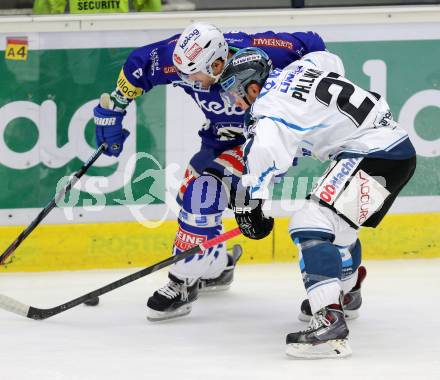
{"x":251,"y":220}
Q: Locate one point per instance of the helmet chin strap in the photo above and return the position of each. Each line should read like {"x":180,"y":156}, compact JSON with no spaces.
{"x":215,"y":78}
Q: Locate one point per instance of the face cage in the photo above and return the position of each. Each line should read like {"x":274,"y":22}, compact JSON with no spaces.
{"x":195,"y":84}
{"x":230,"y":96}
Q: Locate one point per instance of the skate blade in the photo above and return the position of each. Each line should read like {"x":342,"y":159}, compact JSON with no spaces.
{"x":349,"y":315}
{"x":214,"y":289}
{"x":304,"y":317}
{"x":156,"y":316}
{"x":338,"y":348}
{"x":237,"y":251}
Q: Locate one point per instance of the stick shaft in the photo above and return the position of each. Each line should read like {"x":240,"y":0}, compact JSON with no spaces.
{"x":17,"y":307}
{"x":51,"y":205}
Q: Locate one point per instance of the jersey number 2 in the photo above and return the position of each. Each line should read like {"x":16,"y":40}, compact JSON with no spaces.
{"x":356,"y":114}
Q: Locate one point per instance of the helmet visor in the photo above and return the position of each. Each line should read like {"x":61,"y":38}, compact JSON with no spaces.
{"x":229,"y":98}
{"x":232,"y":91}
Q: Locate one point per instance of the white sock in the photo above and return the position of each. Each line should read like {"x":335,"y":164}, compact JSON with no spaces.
{"x":348,"y":283}
{"x":324,"y":293}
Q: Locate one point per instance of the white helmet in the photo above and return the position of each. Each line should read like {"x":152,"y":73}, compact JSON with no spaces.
{"x":199,"y":45}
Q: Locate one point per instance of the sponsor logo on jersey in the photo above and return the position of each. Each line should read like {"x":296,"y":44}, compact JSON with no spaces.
{"x":273,"y":42}
{"x":229,"y":131}
{"x":361,"y":198}
{"x":189,"y":37}
{"x":154,"y":57}
{"x":177,"y":59}
{"x":232,"y":160}
{"x":385,"y":119}
{"x":126,"y":88}
{"x":137,"y":73}
{"x":169,"y":70}
{"x":344,"y":172}
{"x":332,"y":185}
{"x":231,"y":41}
{"x":364,"y":196}
{"x":286,"y":82}
{"x":216,"y":107}
{"x":186,"y":240}
{"x":271,"y":82}
{"x":193,"y":52}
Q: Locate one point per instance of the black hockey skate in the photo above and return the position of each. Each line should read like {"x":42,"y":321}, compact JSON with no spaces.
{"x":352,"y":300}
{"x":224,"y":281}
{"x":173,"y":300}
{"x":326,"y":336}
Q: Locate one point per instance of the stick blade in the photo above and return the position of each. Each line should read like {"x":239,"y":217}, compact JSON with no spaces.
{"x":14,"y":306}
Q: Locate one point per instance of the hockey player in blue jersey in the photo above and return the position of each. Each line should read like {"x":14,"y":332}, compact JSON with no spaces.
{"x":194,"y":61}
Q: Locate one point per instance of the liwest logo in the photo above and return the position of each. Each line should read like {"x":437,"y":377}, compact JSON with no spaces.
{"x":189,"y":37}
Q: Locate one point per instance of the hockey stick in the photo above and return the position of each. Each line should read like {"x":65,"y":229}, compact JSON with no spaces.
{"x":51,"y":205}
{"x":9,"y":304}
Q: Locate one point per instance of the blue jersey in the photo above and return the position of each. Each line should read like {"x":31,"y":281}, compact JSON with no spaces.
{"x":152,"y":65}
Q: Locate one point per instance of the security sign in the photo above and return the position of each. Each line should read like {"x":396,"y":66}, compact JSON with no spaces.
{"x":16,"y":48}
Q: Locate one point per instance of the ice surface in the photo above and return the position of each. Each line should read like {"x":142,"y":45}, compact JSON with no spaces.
{"x":238,"y":334}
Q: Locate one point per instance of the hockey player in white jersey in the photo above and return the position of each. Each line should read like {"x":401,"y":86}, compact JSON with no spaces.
{"x":310,"y":107}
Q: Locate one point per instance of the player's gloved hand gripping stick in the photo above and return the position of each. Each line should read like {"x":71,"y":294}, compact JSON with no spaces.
{"x":110,"y":137}
{"x":109,"y":128}
{"x":17,"y":307}
{"x":249,"y":215}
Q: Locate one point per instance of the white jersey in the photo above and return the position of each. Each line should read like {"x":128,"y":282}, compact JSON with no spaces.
{"x":310,"y":107}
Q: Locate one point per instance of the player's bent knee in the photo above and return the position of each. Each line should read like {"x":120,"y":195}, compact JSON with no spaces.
{"x":319,"y":258}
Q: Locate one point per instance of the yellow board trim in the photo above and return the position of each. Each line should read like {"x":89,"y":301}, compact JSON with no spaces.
{"x":403,"y":236}
{"x":123,"y":245}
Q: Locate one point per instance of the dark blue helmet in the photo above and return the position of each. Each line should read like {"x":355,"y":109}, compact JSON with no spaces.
{"x":246,"y":66}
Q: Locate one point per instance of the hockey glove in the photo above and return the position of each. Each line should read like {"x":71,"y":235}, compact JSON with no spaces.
{"x":109,"y":128}
{"x":252,"y":222}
